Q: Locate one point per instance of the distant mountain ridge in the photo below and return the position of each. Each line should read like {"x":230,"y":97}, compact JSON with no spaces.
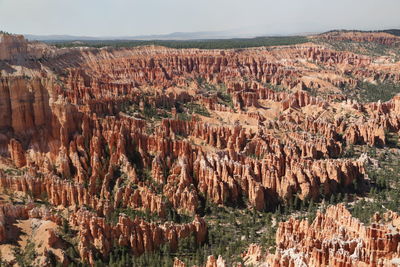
{"x":201,"y":35}
{"x":170,"y":36}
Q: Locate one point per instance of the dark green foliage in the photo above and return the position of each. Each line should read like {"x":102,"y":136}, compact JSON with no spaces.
{"x":226,"y":99}
{"x":384,"y":193}
{"x":276,"y":88}
{"x":131,"y":213}
{"x":134,"y":156}
{"x":392,"y":140}
{"x":15,"y":172}
{"x":364,"y":48}
{"x":363,"y":210}
{"x":66,"y":229}
{"x":188,"y":251}
{"x":51,"y":259}
{"x":26,"y":256}
{"x":149,"y":111}
{"x":393,"y":31}
{"x":184,"y":116}
{"x":129,"y":108}
{"x":220,"y":90}
{"x":231,"y":230}
{"x":382,"y":91}
{"x":369,"y":92}
{"x":202,"y":44}
{"x":146,"y":177}
{"x":194,"y":108}
{"x":306,"y":208}
{"x":311,"y":211}
{"x":174,"y":216}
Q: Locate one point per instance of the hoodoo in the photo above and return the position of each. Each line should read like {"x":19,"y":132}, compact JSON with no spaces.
{"x":280,"y":155}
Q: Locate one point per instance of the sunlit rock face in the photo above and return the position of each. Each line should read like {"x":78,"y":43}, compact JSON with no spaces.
{"x":99,"y":132}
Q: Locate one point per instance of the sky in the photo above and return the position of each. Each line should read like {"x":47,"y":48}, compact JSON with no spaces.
{"x":146,"y":17}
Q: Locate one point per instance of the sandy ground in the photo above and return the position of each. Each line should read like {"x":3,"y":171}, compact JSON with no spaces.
{"x":35,"y":230}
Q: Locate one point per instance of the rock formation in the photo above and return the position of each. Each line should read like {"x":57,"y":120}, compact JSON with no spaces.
{"x":374,"y":37}
{"x":12,"y":46}
{"x":335,"y":238}
{"x":138,"y":235}
{"x":158,"y":132}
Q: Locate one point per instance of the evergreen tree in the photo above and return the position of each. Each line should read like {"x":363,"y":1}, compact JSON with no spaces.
{"x":332,"y":199}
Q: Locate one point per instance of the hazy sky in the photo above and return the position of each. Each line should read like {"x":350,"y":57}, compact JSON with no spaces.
{"x":134,"y":17}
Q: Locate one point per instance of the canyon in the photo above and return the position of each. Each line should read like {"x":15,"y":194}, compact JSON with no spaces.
{"x":127,"y":147}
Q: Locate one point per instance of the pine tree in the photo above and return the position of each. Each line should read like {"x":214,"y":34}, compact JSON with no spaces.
{"x":254,"y":215}
{"x":322,"y":190}
{"x":346,"y":198}
{"x":332,"y":199}
{"x":311,"y":206}
{"x":296,"y":202}
{"x":111,"y":260}
{"x":65,"y":227}
{"x":339,"y":197}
